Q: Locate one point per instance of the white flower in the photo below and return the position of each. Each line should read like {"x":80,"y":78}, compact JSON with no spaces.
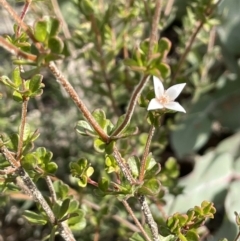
{"x":165,"y":99}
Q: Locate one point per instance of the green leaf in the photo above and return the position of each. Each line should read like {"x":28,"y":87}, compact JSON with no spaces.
{"x":150,"y":187}
{"x":109,"y":147}
{"x":150,"y":162}
{"x":111,"y":164}
{"x":56,"y":45}
{"x":100,"y":117}
{"x":73,"y":206}
{"x":87,"y":7}
{"x":83,"y":128}
{"x":134,"y":164}
{"x":34,"y":218}
{"x":35,"y":83}
{"x":64,"y":208}
{"x":164,"y":70}
{"x":61,"y":189}
{"x":164,"y":46}
{"x":191,"y":235}
{"x":99,"y":145}
{"x":130,"y":62}
{"x":16,"y":76}
{"x":29,"y":161}
{"x":129,"y":131}
{"x":40,"y":30}
{"x":56,"y":208}
{"x":55,"y":26}
{"x":103,"y":184}
{"x":136,"y":237}
{"x":82,"y":182}
{"x":89,"y":171}
{"x":7,"y":81}
{"x":51,"y":168}
{"x":53,"y":234}
{"x":17,"y":96}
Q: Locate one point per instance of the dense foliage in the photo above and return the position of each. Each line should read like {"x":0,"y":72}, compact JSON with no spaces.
{"x":84,"y":156}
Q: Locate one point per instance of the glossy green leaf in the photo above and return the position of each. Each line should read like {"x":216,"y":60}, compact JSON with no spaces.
{"x":55,"y":26}
{"x":99,"y":145}
{"x":82,"y":182}
{"x":192,"y":235}
{"x":111,"y":164}
{"x":164,"y":46}
{"x":56,"y":45}
{"x":35,"y":83}
{"x":40,"y":30}
{"x":89,"y":171}
{"x":64,"y":208}
{"x":17,"y":96}
{"x":51,"y":167}
{"x":16,"y":76}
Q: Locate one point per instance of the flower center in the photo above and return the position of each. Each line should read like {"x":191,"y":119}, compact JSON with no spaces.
{"x":164,"y":99}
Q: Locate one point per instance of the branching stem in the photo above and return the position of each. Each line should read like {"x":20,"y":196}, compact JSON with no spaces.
{"x":146,"y":152}
{"x":74,"y":96}
{"x":139,"y":225}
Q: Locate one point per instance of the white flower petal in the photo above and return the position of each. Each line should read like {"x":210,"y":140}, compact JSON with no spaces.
{"x":155,"y":104}
{"x":174,"y":91}
{"x":174,"y":106}
{"x":158,"y":87}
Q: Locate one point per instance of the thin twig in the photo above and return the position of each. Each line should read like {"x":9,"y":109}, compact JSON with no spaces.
{"x":74,"y":96}
{"x":238,"y":236}
{"x":137,"y":91}
{"x":168,"y":7}
{"x":29,"y":187}
{"x":146,"y":152}
{"x":129,"y":209}
{"x":23,"y":14}
{"x":154,"y":30}
{"x":22,"y":127}
{"x":20,"y":22}
{"x":103,"y":62}
{"x":15,"y":51}
{"x":199,"y":26}
{"x":51,"y":189}
{"x":23,"y":196}
{"x":207,"y":62}
{"x":131,"y":106}
{"x":149,"y":218}
{"x":123,"y":166}
{"x":7,"y":170}
{"x":59,"y":15}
